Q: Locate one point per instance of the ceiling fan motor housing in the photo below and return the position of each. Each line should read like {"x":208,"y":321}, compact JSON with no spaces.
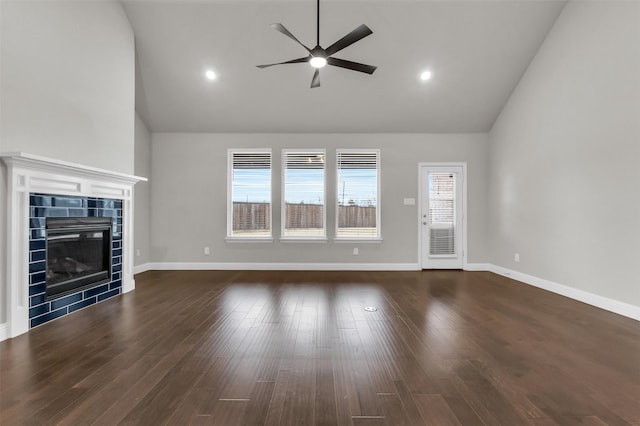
{"x":318,"y":52}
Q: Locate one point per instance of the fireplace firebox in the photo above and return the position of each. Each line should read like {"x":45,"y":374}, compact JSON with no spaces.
{"x":78,"y":254}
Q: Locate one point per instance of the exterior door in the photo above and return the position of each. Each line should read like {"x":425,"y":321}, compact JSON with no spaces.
{"x":441,"y":217}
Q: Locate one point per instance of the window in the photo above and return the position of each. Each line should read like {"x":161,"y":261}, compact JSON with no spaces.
{"x":442,"y":218}
{"x":303,"y":207}
{"x":249,"y":194}
{"x":358,"y":193}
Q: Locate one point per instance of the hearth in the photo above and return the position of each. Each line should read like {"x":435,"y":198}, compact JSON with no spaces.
{"x":78,"y":251}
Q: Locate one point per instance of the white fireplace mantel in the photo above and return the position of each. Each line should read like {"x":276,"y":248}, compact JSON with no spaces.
{"x":29,"y":173}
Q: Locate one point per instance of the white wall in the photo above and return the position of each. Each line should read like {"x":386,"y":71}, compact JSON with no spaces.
{"x":188,"y":196}
{"x":66,"y":87}
{"x":141,"y":193}
{"x":68,"y":82}
{"x":564,"y":156}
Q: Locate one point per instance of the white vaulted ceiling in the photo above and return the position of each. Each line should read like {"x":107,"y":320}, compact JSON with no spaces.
{"x":477,"y":51}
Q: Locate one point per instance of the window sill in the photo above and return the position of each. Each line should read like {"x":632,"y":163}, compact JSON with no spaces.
{"x":358,"y":240}
{"x":303,"y":240}
{"x":248,"y":240}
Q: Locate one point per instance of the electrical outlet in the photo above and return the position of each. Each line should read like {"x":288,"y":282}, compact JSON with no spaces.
{"x":516,"y":257}
{"x":355,"y":251}
{"x":207,"y":251}
{"x":138,"y":252}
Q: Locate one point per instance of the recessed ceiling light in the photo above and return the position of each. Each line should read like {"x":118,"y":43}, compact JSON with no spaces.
{"x":210,"y":75}
{"x":426,"y":75}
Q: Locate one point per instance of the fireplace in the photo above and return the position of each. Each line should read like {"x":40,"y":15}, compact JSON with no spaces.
{"x":75,"y":253}
{"x":78,"y":252}
{"x":39,"y":190}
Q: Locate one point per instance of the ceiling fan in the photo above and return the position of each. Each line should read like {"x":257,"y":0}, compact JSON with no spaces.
{"x":319,"y":57}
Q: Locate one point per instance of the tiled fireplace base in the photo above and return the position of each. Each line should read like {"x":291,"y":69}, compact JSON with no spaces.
{"x":42,"y":206}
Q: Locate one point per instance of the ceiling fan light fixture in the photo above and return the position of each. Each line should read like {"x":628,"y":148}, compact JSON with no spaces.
{"x":210,"y":74}
{"x":318,"y":61}
{"x":425,"y":75}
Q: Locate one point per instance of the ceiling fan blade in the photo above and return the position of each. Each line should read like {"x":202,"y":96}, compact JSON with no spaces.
{"x":315,"y":81}
{"x":293,"y":61}
{"x":283,"y":30}
{"x":358,"y":34}
{"x":355,"y":66}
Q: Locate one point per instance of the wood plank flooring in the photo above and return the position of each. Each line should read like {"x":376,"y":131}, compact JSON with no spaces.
{"x":297,"y":348}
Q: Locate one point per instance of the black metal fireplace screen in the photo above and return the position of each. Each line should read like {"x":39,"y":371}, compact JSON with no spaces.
{"x":78,"y":254}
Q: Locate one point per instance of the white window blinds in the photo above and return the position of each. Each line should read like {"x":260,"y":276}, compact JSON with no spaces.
{"x":303,"y":189}
{"x":442,"y":214}
{"x":249,"y":198}
{"x":358,"y":193}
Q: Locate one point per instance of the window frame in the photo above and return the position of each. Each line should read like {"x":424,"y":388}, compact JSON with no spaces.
{"x":230,"y":157}
{"x":364,"y":239}
{"x":283,"y":203}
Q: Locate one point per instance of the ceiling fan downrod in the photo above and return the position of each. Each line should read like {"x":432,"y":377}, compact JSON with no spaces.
{"x":318,"y":24}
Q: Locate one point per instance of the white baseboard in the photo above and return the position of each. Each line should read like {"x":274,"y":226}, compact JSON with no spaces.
{"x":138,"y":269}
{"x":4,"y":331}
{"x":197,"y":266}
{"x":611,"y":305}
{"x":476,"y":267}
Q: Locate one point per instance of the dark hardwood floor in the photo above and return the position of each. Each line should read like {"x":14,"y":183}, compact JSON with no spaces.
{"x":297,"y":348}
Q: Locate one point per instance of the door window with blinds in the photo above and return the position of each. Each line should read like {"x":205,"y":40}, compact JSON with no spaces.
{"x":442,"y":227}
{"x":358,"y":194}
{"x":249,"y":194}
{"x":442,"y":214}
{"x":303,"y":194}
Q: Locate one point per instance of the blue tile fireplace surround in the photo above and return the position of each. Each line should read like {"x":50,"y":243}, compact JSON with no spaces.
{"x":42,"y":206}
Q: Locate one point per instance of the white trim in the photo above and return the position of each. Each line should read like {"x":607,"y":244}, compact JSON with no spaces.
{"x":239,"y":266}
{"x":476,"y":267}
{"x":53,"y":166}
{"x":138,"y":269}
{"x":248,"y":240}
{"x":288,"y":240}
{"x":357,"y":241}
{"x":602,"y":302}
{"x":463,"y":165}
{"x":4,"y":331}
